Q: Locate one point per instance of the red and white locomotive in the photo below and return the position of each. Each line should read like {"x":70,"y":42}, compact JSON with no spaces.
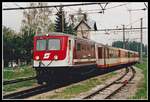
{"x":62,"y":55}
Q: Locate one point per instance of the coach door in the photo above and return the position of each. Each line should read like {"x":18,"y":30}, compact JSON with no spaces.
{"x":108,"y":60}
{"x":104,"y":56}
{"x":70,"y":51}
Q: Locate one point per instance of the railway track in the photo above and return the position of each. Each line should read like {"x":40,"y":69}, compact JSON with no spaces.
{"x":41,"y":89}
{"x":109,"y":90}
{"x":26,"y":93}
{"x":44,"y":88}
{"x":18,"y":80}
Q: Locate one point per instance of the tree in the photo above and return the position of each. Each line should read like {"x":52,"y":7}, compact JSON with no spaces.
{"x":118,"y":44}
{"x":80,"y":15}
{"x":11,"y":46}
{"x":27,"y":46}
{"x":71,"y":30}
{"x":7,"y":38}
{"x":37,"y":19}
{"x":131,"y":45}
{"x":60,"y":23}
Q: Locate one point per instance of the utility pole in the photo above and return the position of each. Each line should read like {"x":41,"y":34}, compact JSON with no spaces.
{"x":62,"y":20}
{"x":124,"y":37}
{"x":141,"y":40}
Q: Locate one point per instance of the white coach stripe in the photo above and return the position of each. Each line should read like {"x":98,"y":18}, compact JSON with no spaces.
{"x":83,"y":60}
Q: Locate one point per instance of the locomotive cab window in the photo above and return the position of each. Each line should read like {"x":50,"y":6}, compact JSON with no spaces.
{"x":54,"y":44}
{"x":40,"y":45}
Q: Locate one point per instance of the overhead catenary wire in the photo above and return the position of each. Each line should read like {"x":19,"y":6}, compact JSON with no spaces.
{"x":65,"y":5}
{"x":97,"y":10}
{"x":117,"y":6}
{"x":17,"y":5}
{"x":138,"y":20}
{"x":146,"y":5}
{"x":114,"y":29}
{"x":83,"y":10}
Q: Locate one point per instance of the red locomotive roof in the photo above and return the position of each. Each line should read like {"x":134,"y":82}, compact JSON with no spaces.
{"x":63,"y":34}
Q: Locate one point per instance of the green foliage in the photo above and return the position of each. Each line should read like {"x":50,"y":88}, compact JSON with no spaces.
{"x":8,"y":46}
{"x":68,"y":28}
{"x":16,"y":46}
{"x":71,"y":30}
{"x":133,"y":45}
{"x":27,"y":46}
{"x":25,"y":71}
{"x":58,"y":21}
{"x":74,"y":90}
{"x":142,"y":90}
{"x":38,"y":19}
{"x":16,"y":86}
{"x":11,"y":74}
{"x":118,"y":44}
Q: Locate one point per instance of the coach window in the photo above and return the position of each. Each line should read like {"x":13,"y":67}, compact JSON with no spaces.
{"x":113,"y":54}
{"x":88,"y":48}
{"x":128,"y":54}
{"x":92,"y":47}
{"x":110,"y":53}
{"x":82,"y":47}
{"x":106,"y":52}
{"x":69,"y":44}
{"x":99,"y":52}
{"x":119,"y":54}
{"x":78,"y":46}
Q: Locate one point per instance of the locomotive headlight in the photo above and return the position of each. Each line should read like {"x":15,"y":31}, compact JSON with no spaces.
{"x":55,"y":57}
{"x":37,"y":57}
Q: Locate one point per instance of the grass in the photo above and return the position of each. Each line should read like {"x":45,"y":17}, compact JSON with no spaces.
{"x":24,"y":71}
{"x":16,"y":86}
{"x":142,"y":91}
{"x":74,"y":90}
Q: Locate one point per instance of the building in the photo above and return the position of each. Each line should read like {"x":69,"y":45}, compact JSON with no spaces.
{"x":83,"y":28}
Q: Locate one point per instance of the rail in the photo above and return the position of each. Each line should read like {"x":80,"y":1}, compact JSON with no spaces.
{"x":113,"y":87}
{"x":18,"y":80}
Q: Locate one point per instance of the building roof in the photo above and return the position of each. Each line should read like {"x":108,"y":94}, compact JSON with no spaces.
{"x":82,"y":21}
{"x":89,"y":23}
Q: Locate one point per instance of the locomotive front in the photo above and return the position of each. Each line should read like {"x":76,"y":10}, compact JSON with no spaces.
{"x":49,"y":50}
{"x":50,"y":55}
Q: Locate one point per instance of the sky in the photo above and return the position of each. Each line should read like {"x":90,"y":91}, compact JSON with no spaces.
{"x":111,"y":18}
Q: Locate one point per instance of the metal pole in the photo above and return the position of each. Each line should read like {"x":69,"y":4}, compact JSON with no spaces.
{"x":141,"y":41}
{"x":62,"y":19}
{"x":123,"y":37}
